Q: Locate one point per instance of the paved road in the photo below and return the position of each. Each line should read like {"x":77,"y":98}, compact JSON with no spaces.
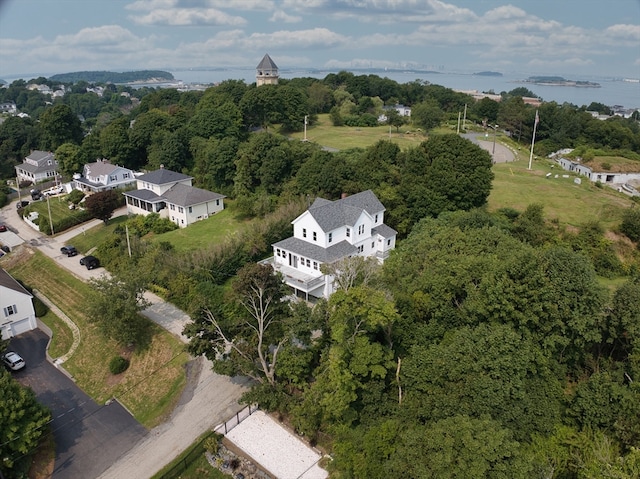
{"x":208,"y":400}
{"x":89,"y":437}
{"x":502,"y":153}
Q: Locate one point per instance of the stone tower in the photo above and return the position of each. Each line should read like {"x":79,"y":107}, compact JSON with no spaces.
{"x":266,"y":72}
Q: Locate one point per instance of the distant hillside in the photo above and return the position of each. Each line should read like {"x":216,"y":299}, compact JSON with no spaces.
{"x":489,"y":74}
{"x":113,"y":77}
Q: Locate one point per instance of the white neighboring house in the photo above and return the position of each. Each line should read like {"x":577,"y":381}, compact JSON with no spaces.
{"x":17,"y":315}
{"x":401,"y":109}
{"x":38,"y":166}
{"x":101,"y":175}
{"x":611,"y":177}
{"x":171,"y":195}
{"x":328,"y":232}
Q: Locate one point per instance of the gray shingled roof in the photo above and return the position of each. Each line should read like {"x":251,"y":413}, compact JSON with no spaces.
{"x":38,"y":155}
{"x":162,"y":177}
{"x":267,"y":64}
{"x":7,"y":281}
{"x":36,"y":169}
{"x":99,"y":168}
{"x":315,"y":252}
{"x":144,"y":195}
{"x":344,"y":212}
{"x":384,"y":231}
{"x":183,"y":195}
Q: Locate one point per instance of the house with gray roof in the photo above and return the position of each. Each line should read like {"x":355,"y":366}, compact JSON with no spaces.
{"x":171,"y":195}
{"x":101,"y":175}
{"x":37,"y":167}
{"x":330,"y":231}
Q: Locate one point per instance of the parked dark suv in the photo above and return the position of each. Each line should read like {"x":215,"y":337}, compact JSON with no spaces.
{"x":90,"y":262}
{"x":69,"y":250}
{"x":21,"y":204}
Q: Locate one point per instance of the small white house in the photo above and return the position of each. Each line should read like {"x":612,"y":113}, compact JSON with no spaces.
{"x":38,"y":166}
{"x":327,"y":232}
{"x":171,"y":195}
{"x":17,"y":315}
{"x":101,"y":175}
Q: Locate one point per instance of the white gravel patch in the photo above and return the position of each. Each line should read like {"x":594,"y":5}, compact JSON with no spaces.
{"x":276,"y":449}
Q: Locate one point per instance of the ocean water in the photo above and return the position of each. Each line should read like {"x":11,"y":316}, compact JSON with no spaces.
{"x":612,"y":91}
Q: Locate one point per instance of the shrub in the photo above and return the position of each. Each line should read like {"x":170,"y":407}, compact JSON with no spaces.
{"x":118,"y":365}
{"x":75,"y":197}
{"x":212,"y":443}
{"x":606,"y":166}
{"x":39,"y":307}
{"x":631,"y":224}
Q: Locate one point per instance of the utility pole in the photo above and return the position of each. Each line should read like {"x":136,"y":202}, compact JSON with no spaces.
{"x":305,"y":128}
{"x":464,"y":121}
{"x":458,"y":130}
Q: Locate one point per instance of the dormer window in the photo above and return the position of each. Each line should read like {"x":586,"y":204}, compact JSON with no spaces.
{"x":304,"y":232}
{"x":348,"y":232}
{"x":315,"y":236}
{"x":376,"y":218}
{"x":330,"y":237}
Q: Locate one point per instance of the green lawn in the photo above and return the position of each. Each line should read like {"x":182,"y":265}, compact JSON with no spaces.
{"x":214,"y":229}
{"x":62,"y":335}
{"x":59,"y":208}
{"x":152,"y":384}
{"x":92,"y":237}
{"x":344,"y":137}
{"x":517,"y":187}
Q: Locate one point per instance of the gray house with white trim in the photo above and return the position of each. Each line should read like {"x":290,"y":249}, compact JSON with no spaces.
{"x":327,"y":232}
{"x":171,"y":195}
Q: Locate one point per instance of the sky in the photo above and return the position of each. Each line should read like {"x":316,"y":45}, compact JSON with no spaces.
{"x":546,"y":37}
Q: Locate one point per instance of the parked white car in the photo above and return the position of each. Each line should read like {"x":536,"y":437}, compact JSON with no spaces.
{"x":13,"y":361}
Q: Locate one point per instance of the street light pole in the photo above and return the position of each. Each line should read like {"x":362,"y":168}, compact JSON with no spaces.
{"x":495,"y":132}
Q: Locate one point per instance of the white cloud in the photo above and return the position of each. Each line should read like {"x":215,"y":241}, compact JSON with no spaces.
{"x":185,"y":17}
{"x":313,"y":38}
{"x":624,"y":31}
{"x":280,"y":16}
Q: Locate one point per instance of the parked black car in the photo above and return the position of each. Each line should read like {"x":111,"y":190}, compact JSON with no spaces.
{"x":90,"y":262}
{"x":69,"y":250}
{"x":21,"y":204}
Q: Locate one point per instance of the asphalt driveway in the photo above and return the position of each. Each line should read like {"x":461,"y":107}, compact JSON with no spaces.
{"x":89,"y":437}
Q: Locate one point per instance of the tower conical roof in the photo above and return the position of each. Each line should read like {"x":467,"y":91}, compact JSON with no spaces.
{"x":267,"y":63}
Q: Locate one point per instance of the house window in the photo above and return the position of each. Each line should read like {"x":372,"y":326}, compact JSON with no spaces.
{"x":330,"y":237}
{"x":304,"y":232}
{"x":172,"y":207}
{"x":113,"y":178}
{"x":361,"y":229}
{"x":217,"y":202}
{"x":180,"y":209}
{"x":9,"y":310}
{"x":388,"y":242}
{"x":315,"y":236}
{"x":125,"y":175}
{"x":308,"y":263}
{"x":348,"y":232}
{"x":182,"y":221}
{"x":315,"y":265}
{"x":360,"y":249}
{"x":373,"y":244}
{"x":376,"y":218}
{"x":190,"y":209}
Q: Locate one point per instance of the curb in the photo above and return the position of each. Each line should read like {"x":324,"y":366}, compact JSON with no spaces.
{"x":74,"y":329}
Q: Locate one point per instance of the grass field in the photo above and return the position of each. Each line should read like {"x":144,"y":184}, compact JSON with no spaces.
{"x":155,"y":378}
{"x":59,"y":208}
{"x":94,"y":236}
{"x":341,"y":138}
{"x":573,"y":204}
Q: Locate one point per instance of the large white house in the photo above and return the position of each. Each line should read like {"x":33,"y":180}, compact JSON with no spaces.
{"x":171,"y":195}
{"x":17,"y":315}
{"x":327,"y":232}
{"x":101,"y":175}
{"x":38,"y":166}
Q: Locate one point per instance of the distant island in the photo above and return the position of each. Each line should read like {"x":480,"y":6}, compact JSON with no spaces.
{"x":141,"y":76}
{"x":559,"y":81}
{"x":488,"y":74}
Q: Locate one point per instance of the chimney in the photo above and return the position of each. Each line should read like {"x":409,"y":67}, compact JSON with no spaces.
{"x":162,"y":167}
{"x":344,"y":195}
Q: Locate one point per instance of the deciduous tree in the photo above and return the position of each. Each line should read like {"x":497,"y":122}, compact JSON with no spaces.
{"x":101,"y":205}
